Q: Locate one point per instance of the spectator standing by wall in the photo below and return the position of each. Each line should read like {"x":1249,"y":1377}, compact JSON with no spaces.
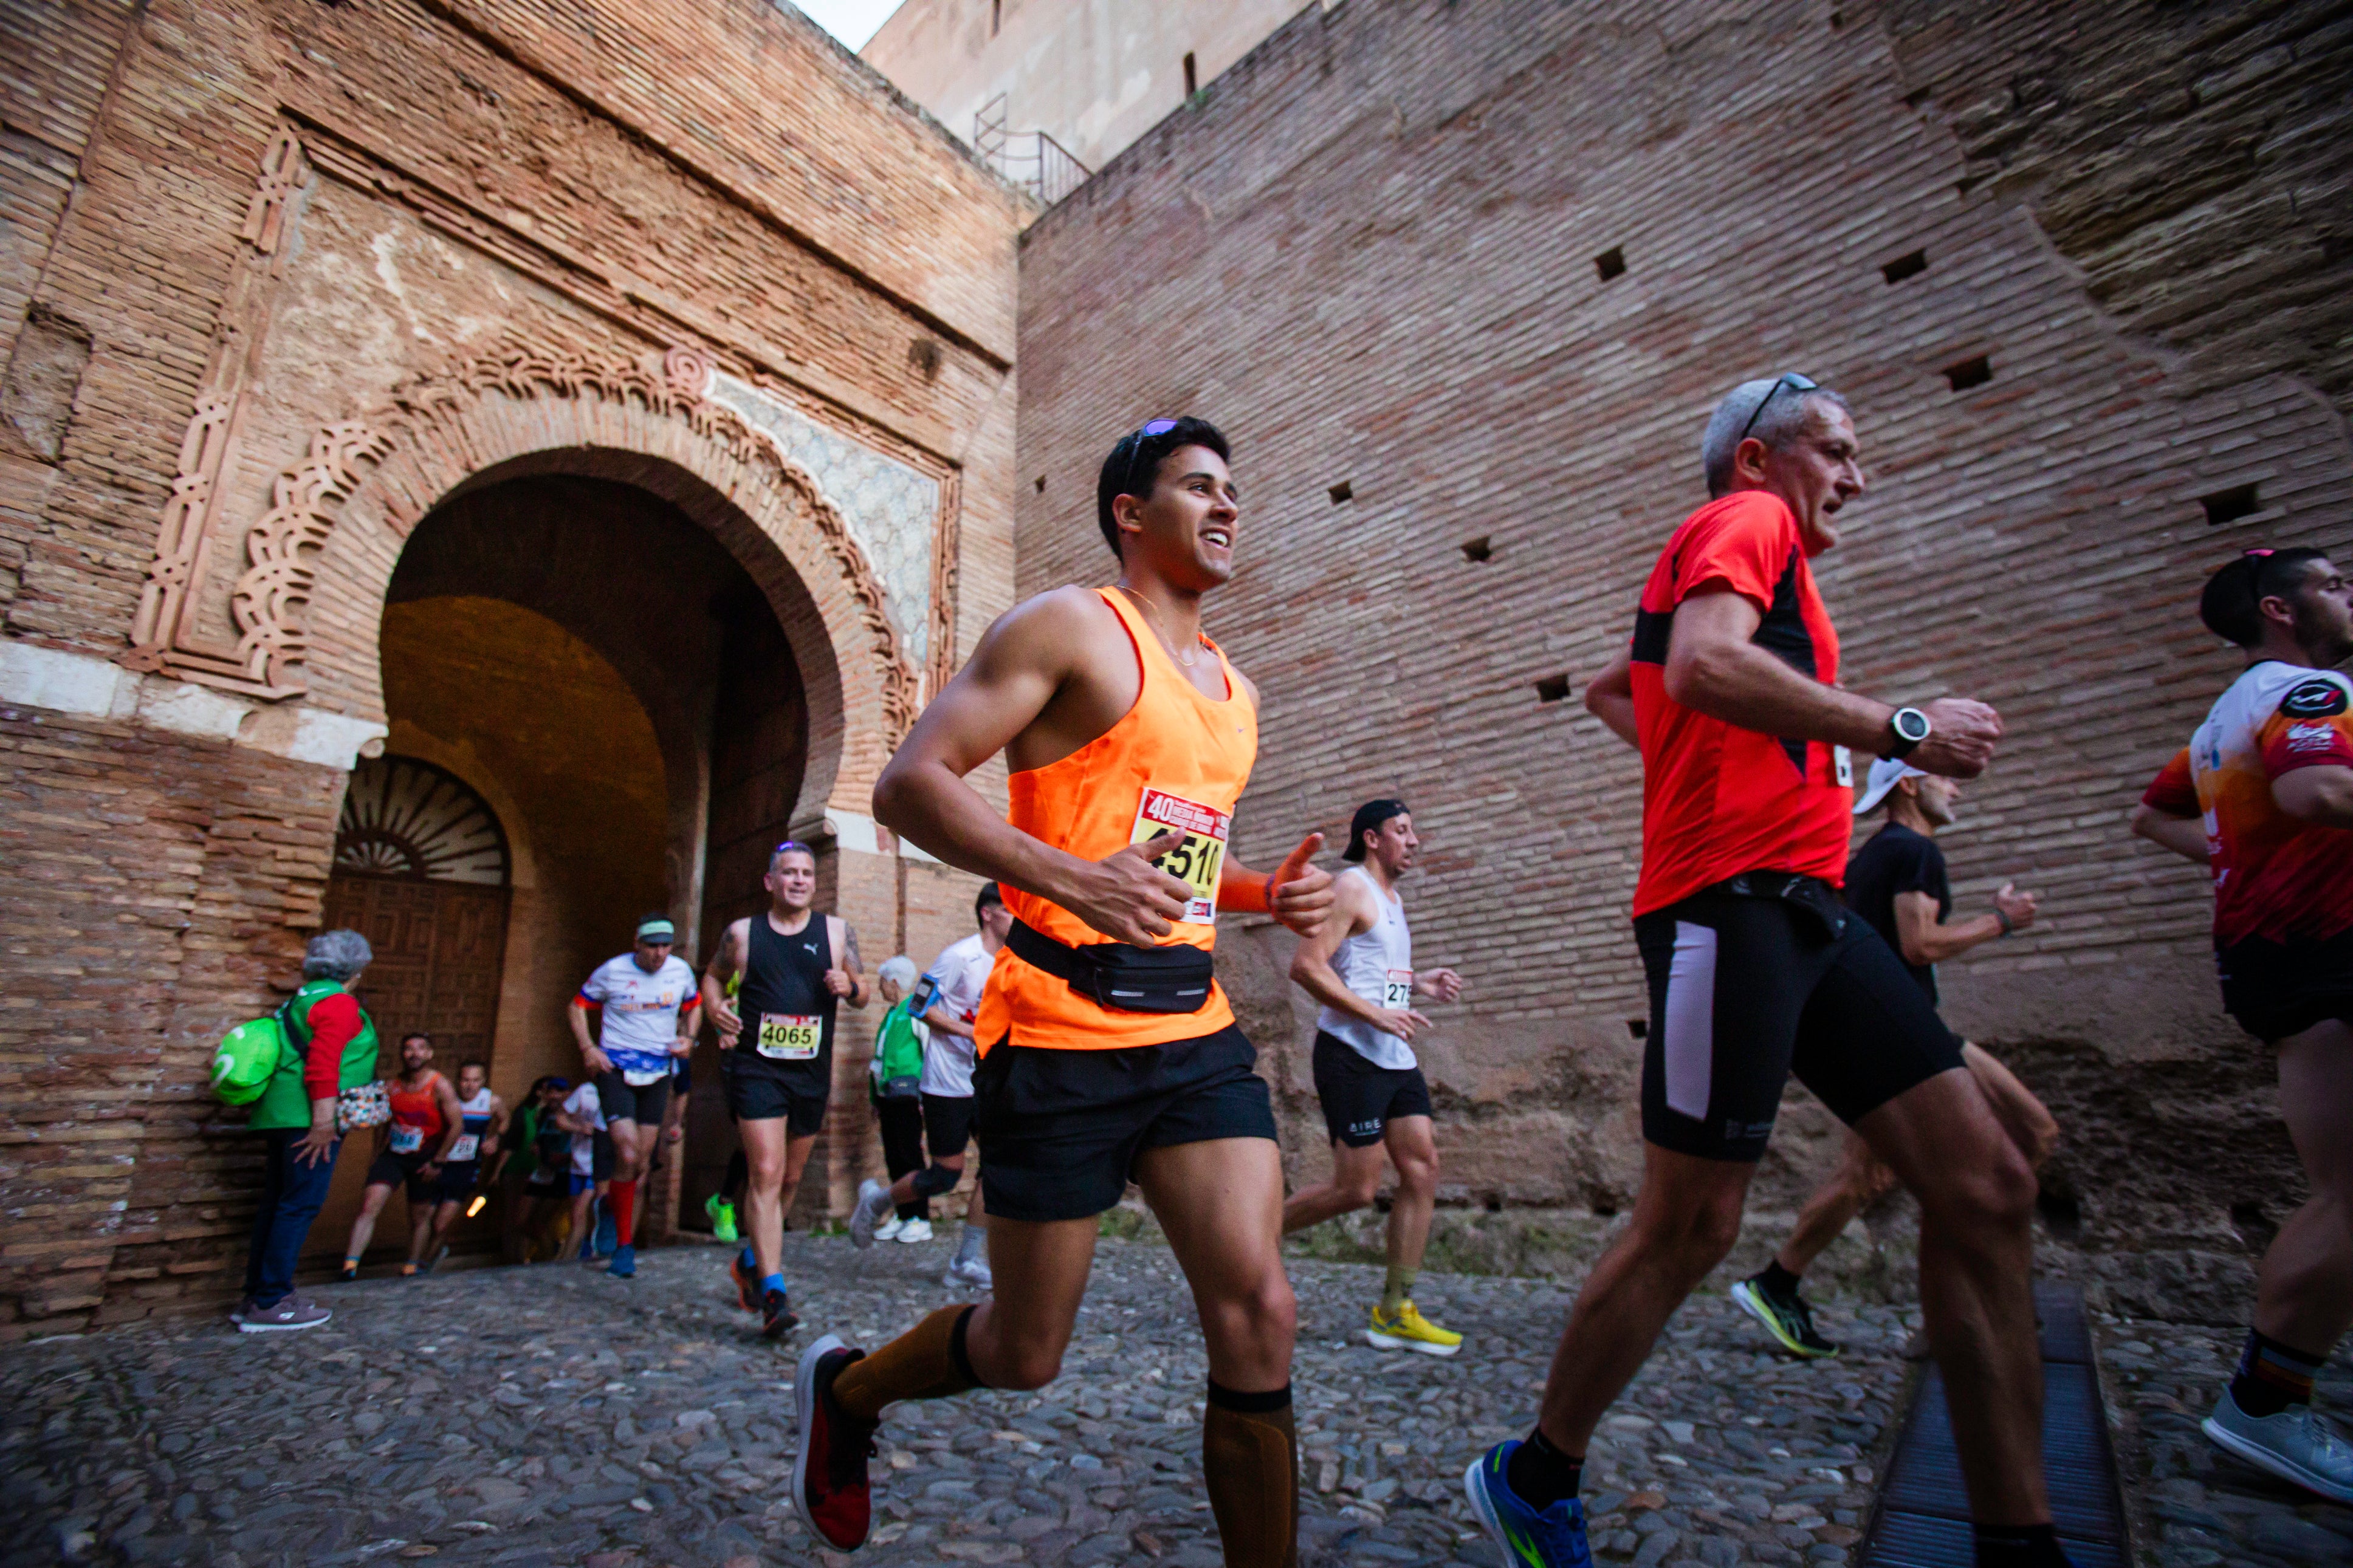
{"x":898,"y":1071}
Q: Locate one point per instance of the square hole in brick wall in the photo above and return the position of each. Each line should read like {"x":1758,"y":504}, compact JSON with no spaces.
{"x":1610,"y":263}
{"x":1903,"y":267}
{"x":2231,"y":505}
{"x":1552,"y":688}
{"x":1970,"y":373}
{"x":1340,"y":492}
{"x":1639,"y":1027}
{"x":1477,"y":549}
{"x":1041,"y":484}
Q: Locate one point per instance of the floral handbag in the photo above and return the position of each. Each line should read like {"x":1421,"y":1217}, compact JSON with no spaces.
{"x":363,"y":1105}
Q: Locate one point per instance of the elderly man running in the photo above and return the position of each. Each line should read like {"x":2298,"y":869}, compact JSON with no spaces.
{"x":1757,"y":970}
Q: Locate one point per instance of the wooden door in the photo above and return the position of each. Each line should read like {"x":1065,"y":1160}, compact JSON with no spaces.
{"x":440,"y":948}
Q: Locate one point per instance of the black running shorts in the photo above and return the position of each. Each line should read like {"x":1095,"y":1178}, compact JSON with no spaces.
{"x":1361,"y":1100}
{"x":2276,"y":989}
{"x":1060,"y":1129}
{"x":1746,"y":990}
{"x":947,"y":1124}
{"x":755,"y":1096}
{"x":391,"y":1169}
{"x":644,"y":1103}
{"x":456,"y":1181}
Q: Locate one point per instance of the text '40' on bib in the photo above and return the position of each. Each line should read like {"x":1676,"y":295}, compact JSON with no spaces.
{"x":1200,"y":859}
{"x":790,"y":1037}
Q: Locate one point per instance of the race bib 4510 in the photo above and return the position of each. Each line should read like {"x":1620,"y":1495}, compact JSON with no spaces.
{"x":790,"y":1037}
{"x":1200,"y":859}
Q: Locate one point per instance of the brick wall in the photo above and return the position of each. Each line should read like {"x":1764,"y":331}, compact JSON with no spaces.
{"x":1375,"y":254}
{"x":466,"y":235}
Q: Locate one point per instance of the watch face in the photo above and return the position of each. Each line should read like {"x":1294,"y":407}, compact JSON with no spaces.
{"x":1912,"y":724}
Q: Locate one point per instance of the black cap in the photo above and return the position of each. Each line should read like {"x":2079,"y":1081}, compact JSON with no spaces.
{"x":1368,"y":817}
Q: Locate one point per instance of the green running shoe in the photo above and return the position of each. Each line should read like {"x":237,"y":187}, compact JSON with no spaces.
{"x":1789,"y":1320}
{"x":723,"y":1217}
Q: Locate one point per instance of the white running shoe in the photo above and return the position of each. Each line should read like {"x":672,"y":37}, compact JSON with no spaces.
{"x":969,"y":1272}
{"x":873,"y":1203}
{"x":916,"y":1230}
{"x":888,"y":1229}
{"x":2299,"y":1444}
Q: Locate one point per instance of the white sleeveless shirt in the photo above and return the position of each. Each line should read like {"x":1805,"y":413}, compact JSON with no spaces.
{"x":1376,"y":963}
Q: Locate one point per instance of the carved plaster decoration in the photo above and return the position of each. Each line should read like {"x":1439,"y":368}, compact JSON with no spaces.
{"x":282,"y":173}
{"x":688,"y":372}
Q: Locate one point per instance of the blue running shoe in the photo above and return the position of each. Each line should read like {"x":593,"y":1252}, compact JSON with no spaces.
{"x":625,"y":1263}
{"x":1552,"y":1538}
{"x":609,"y":1234}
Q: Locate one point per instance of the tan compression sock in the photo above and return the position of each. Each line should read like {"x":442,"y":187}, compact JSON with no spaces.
{"x":928,"y":1362}
{"x":1399,"y":1290}
{"x":1249,"y":1458}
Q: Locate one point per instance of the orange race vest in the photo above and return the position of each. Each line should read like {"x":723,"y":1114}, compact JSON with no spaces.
{"x":1176,"y":759}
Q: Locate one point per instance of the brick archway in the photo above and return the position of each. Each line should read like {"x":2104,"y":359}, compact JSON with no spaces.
{"x":310,"y":621}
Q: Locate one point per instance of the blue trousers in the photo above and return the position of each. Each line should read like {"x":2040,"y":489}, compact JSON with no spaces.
{"x":292,"y":1196}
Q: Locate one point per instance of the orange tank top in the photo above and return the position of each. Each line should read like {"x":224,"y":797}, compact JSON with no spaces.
{"x":1177,"y":760}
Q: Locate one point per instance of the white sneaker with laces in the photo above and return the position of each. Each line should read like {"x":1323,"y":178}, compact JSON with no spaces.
{"x":2299,"y":1445}
{"x":916,"y":1230}
{"x":873,"y":1203}
{"x":888,"y":1229}
{"x":970,"y":1271}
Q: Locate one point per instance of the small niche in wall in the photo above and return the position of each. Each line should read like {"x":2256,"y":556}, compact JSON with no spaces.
{"x":1478,"y":549}
{"x":1639,"y":1027}
{"x":1192,"y":77}
{"x":1552,"y":688}
{"x":1610,"y":263}
{"x":1041,"y":484}
{"x":1906,"y":266}
{"x":1340,"y":492}
{"x":2231,"y":505}
{"x":1970,"y":373}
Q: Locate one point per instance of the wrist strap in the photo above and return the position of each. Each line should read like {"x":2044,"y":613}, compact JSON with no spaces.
{"x":2008,"y":928}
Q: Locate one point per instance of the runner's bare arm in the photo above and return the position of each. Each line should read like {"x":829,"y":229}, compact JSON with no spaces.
{"x":577,"y":1012}
{"x":1609,"y":697}
{"x":2322,"y":796}
{"x":947,"y":1023}
{"x":1713,"y":666}
{"x":1311,"y":965}
{"x":725,"y":965}
{"x":1922,"y":940}
{"x":2185,"y":836}
{"x":453,"y":1118}
{"x":1439,"y":985}
{"x":843,"y":980}
{"x":1030,"y":661}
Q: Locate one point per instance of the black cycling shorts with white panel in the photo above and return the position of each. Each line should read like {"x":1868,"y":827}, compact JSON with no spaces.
{"x":644,"y":1103}
{"x":1746,"y":990}
{"x":1360,"y":1099}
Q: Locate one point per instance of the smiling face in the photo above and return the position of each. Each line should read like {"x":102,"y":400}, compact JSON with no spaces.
{"x":1185,"y":529}
{"x":791,"y":880}
{"x":1816,"y":473}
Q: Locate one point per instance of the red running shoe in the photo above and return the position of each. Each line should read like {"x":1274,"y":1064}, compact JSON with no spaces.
{"x":829,"y":1471}
{"x":747,"y":1284}
{"x":776,"y":1319}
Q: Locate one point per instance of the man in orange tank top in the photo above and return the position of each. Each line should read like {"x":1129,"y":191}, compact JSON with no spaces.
{"x":425,"y":1121}
{"x":1107,"y":1051}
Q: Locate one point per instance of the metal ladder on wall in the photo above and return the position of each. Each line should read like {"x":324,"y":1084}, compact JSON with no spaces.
{"x":1029,"y":159}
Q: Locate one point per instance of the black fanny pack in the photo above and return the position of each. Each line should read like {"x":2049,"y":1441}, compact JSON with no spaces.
{"x":1811,"y":894}
{"x":1117,"y":976}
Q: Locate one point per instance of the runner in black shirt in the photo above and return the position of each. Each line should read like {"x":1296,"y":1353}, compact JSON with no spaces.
{"x":1897,"y":882}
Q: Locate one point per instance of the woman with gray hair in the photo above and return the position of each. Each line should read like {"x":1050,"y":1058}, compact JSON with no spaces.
{"x":334,"y":1045}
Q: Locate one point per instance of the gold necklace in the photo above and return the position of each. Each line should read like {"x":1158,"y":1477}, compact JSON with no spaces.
{"x":1188,"y":660}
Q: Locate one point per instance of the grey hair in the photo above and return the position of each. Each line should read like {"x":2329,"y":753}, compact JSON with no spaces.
{"x":335,"y":955}
{"x":899,"y":972}
{"x":1779,"y":426}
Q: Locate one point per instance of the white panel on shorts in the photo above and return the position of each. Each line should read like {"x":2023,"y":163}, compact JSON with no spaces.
{"x":1690,"y":1045}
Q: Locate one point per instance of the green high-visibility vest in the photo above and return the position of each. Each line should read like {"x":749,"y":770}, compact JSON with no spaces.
{"x":285,"y":1103}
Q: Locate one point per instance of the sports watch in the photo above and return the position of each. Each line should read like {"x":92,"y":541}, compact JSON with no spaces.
{"x":1909,"y":727}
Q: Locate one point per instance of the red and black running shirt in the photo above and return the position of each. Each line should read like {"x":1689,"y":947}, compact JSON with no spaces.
{"x":1718,"y":800}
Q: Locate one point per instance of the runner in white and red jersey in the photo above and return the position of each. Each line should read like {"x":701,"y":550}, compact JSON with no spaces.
{"x":2273,"y":767}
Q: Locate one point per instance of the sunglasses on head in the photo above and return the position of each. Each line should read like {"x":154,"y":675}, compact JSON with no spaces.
{"x":1134,"y":444}
{"x":1791,"y":379}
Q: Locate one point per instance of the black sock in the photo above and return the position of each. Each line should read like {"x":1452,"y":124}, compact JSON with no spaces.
{"x":1541,"y":1475}
{"x":1778,"y":1283}
{"x":2019,"y":1546}
{"x":2272,"y":1376}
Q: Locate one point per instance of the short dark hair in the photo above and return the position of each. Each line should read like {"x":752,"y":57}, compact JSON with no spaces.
{"x":475,"y":1062}
{"x":416,"y":1034}
{"x":986,"y":896}
{"x":1137,"y":457}
{"x":2232,"y":604}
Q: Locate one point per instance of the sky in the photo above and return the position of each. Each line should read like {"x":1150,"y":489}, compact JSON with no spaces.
{"x":851,"y":21}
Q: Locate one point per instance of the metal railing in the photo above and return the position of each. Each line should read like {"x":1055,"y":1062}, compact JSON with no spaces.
{"x":1030,"y":159}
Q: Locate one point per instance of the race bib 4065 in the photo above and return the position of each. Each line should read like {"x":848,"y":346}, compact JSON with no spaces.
{"x":1200,"y":859}
{"x":790,"y":1037}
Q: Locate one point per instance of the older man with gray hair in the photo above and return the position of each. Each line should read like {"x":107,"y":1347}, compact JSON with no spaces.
{"x":1729,"y":689}
{"x":332,"y":1043}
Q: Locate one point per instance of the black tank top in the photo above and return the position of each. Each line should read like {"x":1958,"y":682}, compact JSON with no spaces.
{"x":786,"y":1010}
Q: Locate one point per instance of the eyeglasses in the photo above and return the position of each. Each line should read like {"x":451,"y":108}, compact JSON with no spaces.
{"x":1134,"y":444}
{"x":1791,"y":379}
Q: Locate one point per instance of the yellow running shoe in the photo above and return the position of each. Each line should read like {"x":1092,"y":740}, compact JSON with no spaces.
{"x":1408,"y":1329}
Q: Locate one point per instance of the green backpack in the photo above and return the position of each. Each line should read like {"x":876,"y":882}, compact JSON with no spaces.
{"x":898,"y":1066}
{"x":250,"y":1055}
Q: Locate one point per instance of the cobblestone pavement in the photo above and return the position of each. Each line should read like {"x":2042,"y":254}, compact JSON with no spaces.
{"x":2197,"y":1505}
{"x":554,"y":1416}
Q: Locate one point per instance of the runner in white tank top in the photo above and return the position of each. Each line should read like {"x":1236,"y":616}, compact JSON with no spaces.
{"x":1360,"y":966}
{"x":482,"y":1116}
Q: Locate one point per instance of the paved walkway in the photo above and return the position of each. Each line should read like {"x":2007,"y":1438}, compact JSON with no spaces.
{"x":2199,"y":1508}
{"x":554,"y":1415}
